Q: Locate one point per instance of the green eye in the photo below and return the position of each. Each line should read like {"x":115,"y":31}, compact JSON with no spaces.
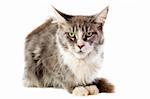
{"x":89,"y":34}
{"x":71,"y":34}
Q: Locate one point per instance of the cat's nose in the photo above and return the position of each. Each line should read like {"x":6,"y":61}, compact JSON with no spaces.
{"x":80,"y":46}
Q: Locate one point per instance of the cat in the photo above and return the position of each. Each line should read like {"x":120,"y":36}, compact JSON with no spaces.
{"x":67,"y":52}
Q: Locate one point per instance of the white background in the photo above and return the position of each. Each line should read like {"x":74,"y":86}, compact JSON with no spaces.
{"x":127,"y":45}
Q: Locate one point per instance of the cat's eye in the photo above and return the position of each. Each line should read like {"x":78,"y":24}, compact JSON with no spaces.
{"x":71,"y":34}
{"x":89,"y":34}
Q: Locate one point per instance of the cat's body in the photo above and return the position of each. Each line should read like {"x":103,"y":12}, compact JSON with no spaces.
{"x":67,"y":53}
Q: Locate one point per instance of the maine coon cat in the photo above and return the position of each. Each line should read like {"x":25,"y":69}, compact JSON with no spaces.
{"x":67,"y":52}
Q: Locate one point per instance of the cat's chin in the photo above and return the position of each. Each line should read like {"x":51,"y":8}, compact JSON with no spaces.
{"x":80,"y":55}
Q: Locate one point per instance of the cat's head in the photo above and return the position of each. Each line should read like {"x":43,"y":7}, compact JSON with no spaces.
{"x":80,"y":35}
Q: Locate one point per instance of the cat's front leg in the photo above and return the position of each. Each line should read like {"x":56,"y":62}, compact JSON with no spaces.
{"x":85,"y":91}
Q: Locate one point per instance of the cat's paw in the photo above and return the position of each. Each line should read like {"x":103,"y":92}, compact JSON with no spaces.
{"x":80,"y":91}
{"x":93,"y":90}
{"x":85,"y":91}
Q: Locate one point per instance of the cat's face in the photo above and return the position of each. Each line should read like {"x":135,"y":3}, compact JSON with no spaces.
{"x":81,"y":35}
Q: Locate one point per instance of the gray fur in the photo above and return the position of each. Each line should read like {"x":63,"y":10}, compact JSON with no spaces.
{"x":45,"y":66}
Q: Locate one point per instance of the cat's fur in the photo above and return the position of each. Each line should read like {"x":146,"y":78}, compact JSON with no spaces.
{"x":54,"y":59}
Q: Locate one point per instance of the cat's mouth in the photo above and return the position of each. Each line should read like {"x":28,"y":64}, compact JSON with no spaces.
{"x":80,"y":52}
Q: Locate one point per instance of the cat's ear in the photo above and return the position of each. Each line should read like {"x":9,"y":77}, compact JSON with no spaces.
{"x":61,"y":17}
{"x":101,"y":17}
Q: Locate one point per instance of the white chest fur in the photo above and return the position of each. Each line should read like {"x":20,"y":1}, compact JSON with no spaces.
{"x":82,"y":69}
{"x":85,"y":70}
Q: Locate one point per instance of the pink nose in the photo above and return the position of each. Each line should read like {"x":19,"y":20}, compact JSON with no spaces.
{"x":80,"y":46}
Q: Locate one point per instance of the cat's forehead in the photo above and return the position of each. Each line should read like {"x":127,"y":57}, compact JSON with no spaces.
{"x":81,"y":20}
{"x":82,"y":23}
